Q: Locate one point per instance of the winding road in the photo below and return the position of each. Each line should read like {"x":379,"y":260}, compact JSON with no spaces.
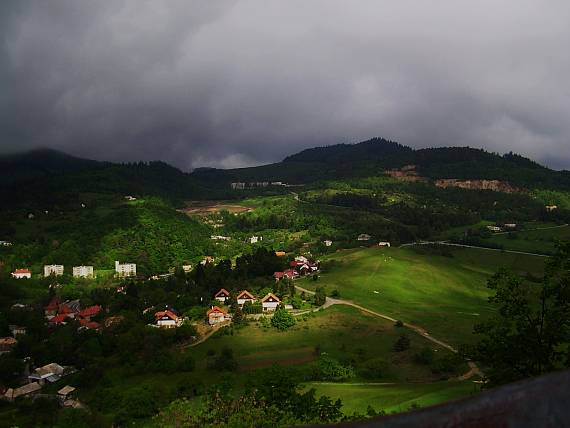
{"x":473,"y":369}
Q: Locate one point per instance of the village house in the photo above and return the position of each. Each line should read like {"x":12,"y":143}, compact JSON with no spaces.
{"x":85,"y":324}
{"x":5,"y":243}
{"x":280,"y":253}
{"x":124,"y":270}
{"x":50,"y":372}
{"x":89,"y":312}
{"x":238,"y":186}
{"x":290,"y":273}
{"x":551,"y":208}
{"x":187,"y":268}
{"x":278,"y":275}
{"x":130,"y":198}
{"x":167,"y":319}
{"x":363,"y":237}
{"x":55,"y":270}
{"x":327,"y":242}
{"x":245,"y":296}
{"x":6,"y":344}
{"x":22,"y":274}
{"x":222,"y":295}
{"x":83,"y":271}
{"x":207,"y":260}
{"x":216,"y":315}
{"x":494,"y":228}
{"x":255,"y":239}
{"x":28,"y":389}
{"x":383,"y":244}
{"x":65,"y":392}
{"x":510,"y":225}
{"x":270,"y":302}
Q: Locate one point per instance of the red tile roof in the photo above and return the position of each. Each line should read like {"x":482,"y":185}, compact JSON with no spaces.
{"x":166,"y":313}
{"x":90,"y":311}
{"x":65,"y":309}
{"x":89,"y":324}
{"x":271,"y":295}
{"x":222,"y":293}
{"x":22,"y":271}
{"x":247,"y":295}
{"x":58,"y":319}
{"x":214,"y":309}
{"x":278,"y":274}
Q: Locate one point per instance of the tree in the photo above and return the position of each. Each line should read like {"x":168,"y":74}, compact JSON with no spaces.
{"x":282,"y":319}
{"x":402,"y":344}
{"x":320,"y":296}
{"x":531,"y":331}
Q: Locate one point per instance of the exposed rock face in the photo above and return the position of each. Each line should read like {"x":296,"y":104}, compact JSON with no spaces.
{"x":495,"y":185}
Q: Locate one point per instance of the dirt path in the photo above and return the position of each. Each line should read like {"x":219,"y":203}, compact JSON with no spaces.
{"x":206,"y":336}
{"x":473,"y":369}
{"x":530,"y":230}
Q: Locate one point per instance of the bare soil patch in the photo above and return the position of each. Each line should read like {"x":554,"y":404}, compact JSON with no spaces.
{"x":211,"y":207}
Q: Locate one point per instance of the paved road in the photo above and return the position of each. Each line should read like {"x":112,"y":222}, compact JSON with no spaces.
{"x":473,"y":369}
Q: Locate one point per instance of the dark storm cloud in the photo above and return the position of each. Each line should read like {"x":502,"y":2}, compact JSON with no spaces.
{"x":233,"y":83}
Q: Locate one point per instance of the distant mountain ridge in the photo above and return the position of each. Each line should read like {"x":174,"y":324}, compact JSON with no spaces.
{"x":43,"y":172}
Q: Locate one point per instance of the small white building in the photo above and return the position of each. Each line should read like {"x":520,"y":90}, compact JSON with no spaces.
{"x":245,"y":296}
{"x":55,"y":270}
{"x":327,"y":242}
{"x":255,"y":239}
{"x":5,"y":243}
{"x":22,"y":274}
{"x":216,"y":315}
{"x":383,"y":244}
{"x":83,"y":271}
{"x":124,"y":270}
{"x":551,"y":208}
{"x":130,"y":198}
{"x":222,"y":295}
{"x":494,"y":228}
{"x":187,"y":268}
{"x":511,"y":225}
{"x":270,"y":302}
{"x":363,"y":237}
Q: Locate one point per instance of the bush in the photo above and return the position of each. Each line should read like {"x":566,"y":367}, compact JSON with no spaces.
{"x":328,"y":368}
{"x":425,"y":356}
{"x":282,"y":320}
{"x":402,"y":344}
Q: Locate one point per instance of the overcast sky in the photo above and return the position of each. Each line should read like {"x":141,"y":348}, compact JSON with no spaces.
{"x":239,"y":83}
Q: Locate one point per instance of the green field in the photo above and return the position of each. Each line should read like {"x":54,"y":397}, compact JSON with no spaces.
{"x":342,"y":332}
{"x":542,"y":240}
{"x":445,"y":295}
{"x":393,"y":398}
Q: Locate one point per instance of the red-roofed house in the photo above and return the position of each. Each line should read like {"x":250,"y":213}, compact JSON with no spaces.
{"x":22,"y":274}
{"x":245,"y":296}
{"x":91,"y":325}
{"x":222,"y":295}
{"x":216,"y":315}
{"x":270,"y":302}
{"x":51,"y":309}
{"x":278,"y":275}
{"x":89,"y":312}
{"x":66,"y":310}
{"x":58,"y":319}
{"x":291,"y":273}
{"x":167,"y":319}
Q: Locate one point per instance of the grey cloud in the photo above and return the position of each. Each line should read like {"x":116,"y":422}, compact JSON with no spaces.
{"x":235,"y":83}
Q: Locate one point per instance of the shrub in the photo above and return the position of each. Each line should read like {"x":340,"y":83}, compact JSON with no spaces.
{"x":399,"y":323}
{"x":282,"y":320}
{"x":425,"y":356}
{"x":328,"y":368}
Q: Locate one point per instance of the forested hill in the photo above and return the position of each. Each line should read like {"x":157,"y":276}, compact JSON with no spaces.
{"x":372,"y":157}
{"x":48,"y":177}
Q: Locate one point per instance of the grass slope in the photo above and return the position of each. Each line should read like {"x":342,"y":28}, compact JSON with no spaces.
{"x":445,"y":295}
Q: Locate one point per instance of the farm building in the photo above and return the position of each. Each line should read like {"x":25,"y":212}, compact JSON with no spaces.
{"x":50,"y":372}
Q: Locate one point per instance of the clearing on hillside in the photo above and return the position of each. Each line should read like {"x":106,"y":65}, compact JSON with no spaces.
{"x":211,"y":207}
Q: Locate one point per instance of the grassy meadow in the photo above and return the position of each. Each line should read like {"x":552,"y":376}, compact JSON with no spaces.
{"x":446,"y":295}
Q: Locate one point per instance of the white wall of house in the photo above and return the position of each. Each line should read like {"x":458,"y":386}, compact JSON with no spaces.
{"x":166,"y":323}
{"x":221,"y":299}
{"x":242,"y":301}
{"x":270,"y":306}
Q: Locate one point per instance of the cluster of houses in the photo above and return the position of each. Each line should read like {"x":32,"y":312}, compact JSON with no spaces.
{"x":269,"y":303}
{"x":242,"y":186}
{"x":39,"y":377}
{"x":301,"y":266}
{"x":58,"y":313}
{"x":122,"y":270}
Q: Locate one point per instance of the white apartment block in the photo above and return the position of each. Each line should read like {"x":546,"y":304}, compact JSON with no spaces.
{"x":83,"y":271}
{"x":125,"y":269}
{"x":55,"y":270}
